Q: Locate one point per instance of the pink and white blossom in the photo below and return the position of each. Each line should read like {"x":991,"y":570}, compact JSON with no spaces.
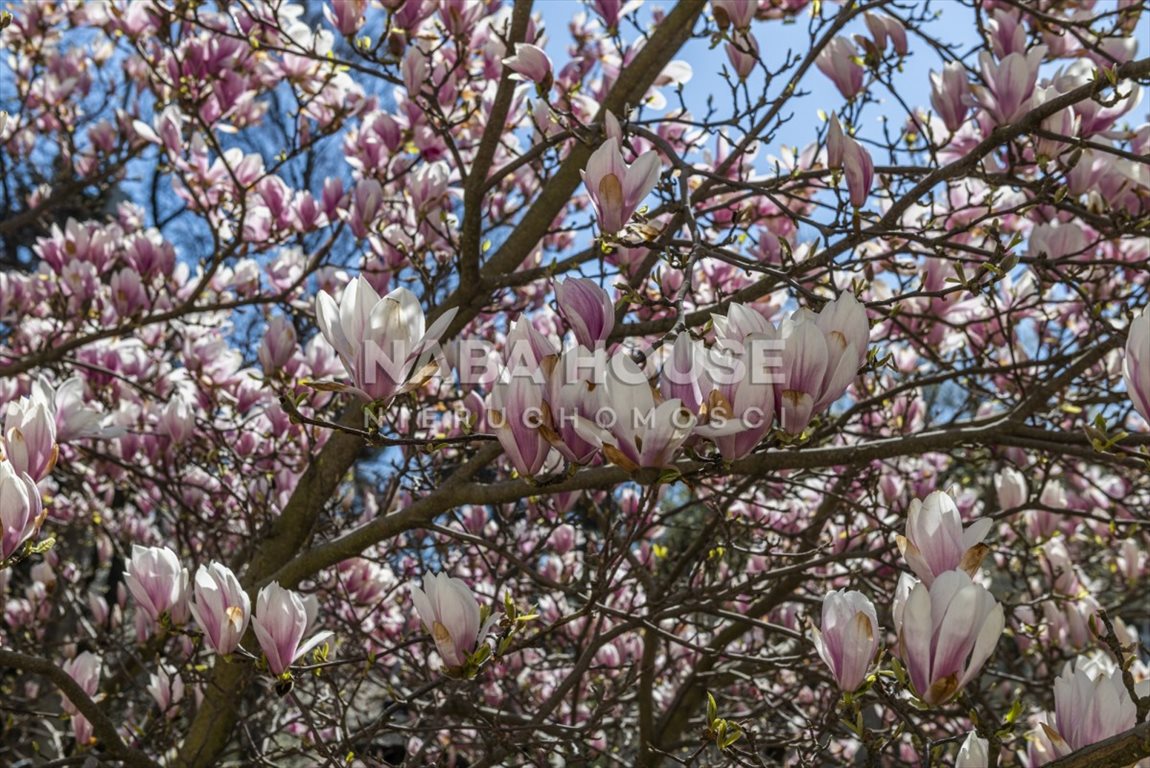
{"x":616,"y":188}
{"x":838,"y":60}
{"x":220,"y":607}
{"x":1136,"y":366}
{"x":946,"y":632}
{"x":21,"y":510}
{"x":282,"y":618}
{"x":530,"y":63}
{"x":1091,"y":704}
{"x":448,"y":609}
{"x":936,"y":540}
{"x":588,"y":310}
{"x":85,"y":669}
{"x":158,"y":582}
{"x":848,"y":638}
{"x":383,"y":342}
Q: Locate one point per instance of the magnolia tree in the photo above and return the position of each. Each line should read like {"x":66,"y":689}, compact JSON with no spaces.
{"x":476,"y":383}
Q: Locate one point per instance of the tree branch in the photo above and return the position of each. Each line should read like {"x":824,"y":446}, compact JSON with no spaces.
{"x":472,"y":228}
{"x":556,"y":192}
{"x":1118,"y":751}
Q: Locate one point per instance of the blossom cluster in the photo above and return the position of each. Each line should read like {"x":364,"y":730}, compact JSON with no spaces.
{"x":440,"y":381}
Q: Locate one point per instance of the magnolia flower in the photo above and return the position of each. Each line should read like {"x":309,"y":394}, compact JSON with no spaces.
{"x":1059,"y":568}
{"x":74,"y":418}
{"x":526,"y":345}
{"x":158,"y":582}
{"x":611,"y":11}
{"x":739,"y":13}
{"x":515,"y":414}
{"x":1010,"y":485}
{"x":279,"y":344}
{"x":846,"y":330}
{"x":616,"y":188}
{"x":741,"y":321}
{"x":220,"y":606}
{"x":366,"y":199}
{"x":949,"y":95}
{"x":167,"y":689}
{"x":804,"y":365}
{"x":1064,"y":122}
{"x":1043,"y":745}
{"x":743,"y":53}
{"x":380,"y":341}
{"x":838,"y":60}
{"x":85,"y":670}
{"x":177,"y":420}
{"x":530,"y":62}
{"x":821,"y":355}
{"x":836,"y":142}
{"x":741,"y":406}
{"x":883,"y":28}
{"x":450,"y":612}
{"x":1055,"y":241}
{"x":570,"y":395}
{"x":1006,"y":32}
{"x":428,"y":187}
{"x":858,"y":168}
{"x":674,"y":74}
{"x":946,"y":632}
{"x":1136,"y":368}
{"x":588,"y":310}
{"x":974,"y":752}
{"x":849,"y":637}
{"x":281,"y":620}
{"x":846,"y":153}
{"x":1008,"y":84}
{"x":345,"y":15}
{"x":1091,"y":703}
{"x":30,"y":435}
{"x":640,"y":433}
{"x":21,"y":511}
{"x":936,"y":542}
{"x":685,"y":375}
{"x":1093,"y":116}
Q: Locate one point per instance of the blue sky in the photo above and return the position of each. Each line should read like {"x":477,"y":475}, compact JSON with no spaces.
{"x":955,"y":24}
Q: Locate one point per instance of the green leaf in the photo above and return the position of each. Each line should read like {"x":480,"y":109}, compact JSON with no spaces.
{"x":41,"y":547}
{"x":1015,"y":711}
{"x":734,"y":735}
{"x":482,"y":653}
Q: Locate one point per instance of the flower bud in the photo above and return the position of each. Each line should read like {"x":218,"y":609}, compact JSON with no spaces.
{"x":1010,"y":485}
{"x":936,"y":542}
{"x":531,"y":63}
{"x":588,"y":310}
{"x":1136,"y":368}
{"x":220,"y":606}
{"x":617,"y":189}
{"x":451,"y":614}
{"x":974,"y":752}
{"x":1091,"y":704}
{"x":30,"y":435}
{"x":838,"y":62}
{"x":946,"y":632}
{"x":156,"y":580}
{"x":21,"y":511}
{"x":849,"y":637}
{"x":281,"y":620}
